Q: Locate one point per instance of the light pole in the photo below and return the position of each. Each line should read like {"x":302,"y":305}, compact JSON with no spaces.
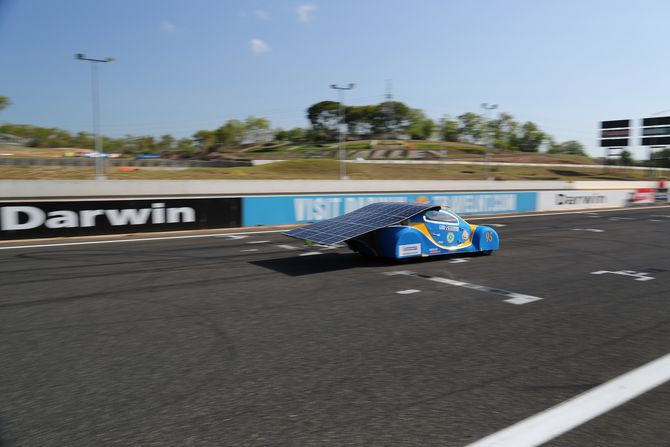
{"x":95,"y":94}
{"x":487,"y":108}
{"x":343,"y":129}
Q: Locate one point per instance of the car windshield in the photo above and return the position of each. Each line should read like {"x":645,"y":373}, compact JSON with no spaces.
{"x":441,"y":216}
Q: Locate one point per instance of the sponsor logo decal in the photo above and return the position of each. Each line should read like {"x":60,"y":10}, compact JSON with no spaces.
{"x":464,"y":235}
{"x":564,"y":199}
{"x":644,"y":195}
{"x":450,"y":237}
{"x":409,"y":249}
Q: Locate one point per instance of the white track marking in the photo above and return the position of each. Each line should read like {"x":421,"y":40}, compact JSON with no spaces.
{"x":399,"y":272}
{"x":655,"y":220}
{"x":520,"y":298}
{"x":249,"y":249}
{"x":458,"y":261}
{"x":232,"y":236}
{"x":497,"y":225}
{"x":310,"y":253}
{"x":512,"y":297}
{"x":639,"y":276}
{"x":258,"y":242}
{"x":572,"y":413}
{"x":139,"y":239}
{"x":408,"y":291}
{"x":592,"y":230}
{"x":246,"y":233}
{"x":287,"y":247}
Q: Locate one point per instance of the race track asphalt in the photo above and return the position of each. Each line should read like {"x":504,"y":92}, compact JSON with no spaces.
{"x":250,"y":341}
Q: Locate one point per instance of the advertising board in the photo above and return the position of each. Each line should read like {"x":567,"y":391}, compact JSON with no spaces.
{"x":281,"y":210}
{"x":23,"y":220}
{"x":582,"y":199}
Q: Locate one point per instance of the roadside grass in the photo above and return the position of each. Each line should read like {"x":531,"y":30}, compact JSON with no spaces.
{"x":326,"y":169}
{"x":285,"y":151}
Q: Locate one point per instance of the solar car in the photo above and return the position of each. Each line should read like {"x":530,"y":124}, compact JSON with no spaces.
{"x":401,"y":230}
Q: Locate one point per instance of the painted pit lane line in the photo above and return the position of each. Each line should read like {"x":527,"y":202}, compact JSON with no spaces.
{"x":142,"y":239}
{"x":572,"y":413}
{"x":512,"y":297}
{"x":287,"y":247}
{"x":247,"y":233}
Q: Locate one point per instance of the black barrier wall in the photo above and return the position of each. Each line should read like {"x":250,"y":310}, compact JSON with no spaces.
{"x":26,"y":220}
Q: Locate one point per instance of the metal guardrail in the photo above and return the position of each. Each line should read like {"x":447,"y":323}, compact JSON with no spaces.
{"x":145,"y":163}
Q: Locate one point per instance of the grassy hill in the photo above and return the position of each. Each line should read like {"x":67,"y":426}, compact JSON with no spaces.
{"x":328,"y":169}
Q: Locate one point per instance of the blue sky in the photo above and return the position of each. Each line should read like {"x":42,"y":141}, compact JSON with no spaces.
{"x":188,"y":65}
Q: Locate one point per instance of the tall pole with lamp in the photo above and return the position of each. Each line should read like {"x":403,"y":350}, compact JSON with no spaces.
{"x":487,"y":108}
{"x":343,"y":129}
{"x":95,"y":94}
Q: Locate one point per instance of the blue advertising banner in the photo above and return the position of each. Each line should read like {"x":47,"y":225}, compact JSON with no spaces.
{"x":282,"y":210}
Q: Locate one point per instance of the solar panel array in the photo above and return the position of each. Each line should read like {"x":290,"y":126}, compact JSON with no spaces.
{"x":363,"y":220}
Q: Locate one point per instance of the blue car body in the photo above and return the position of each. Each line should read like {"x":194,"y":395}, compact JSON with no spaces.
{"x":430,"y":233}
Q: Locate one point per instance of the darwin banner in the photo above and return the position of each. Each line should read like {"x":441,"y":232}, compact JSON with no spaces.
{"x":576,"y":199}
{"x":25,"y":220}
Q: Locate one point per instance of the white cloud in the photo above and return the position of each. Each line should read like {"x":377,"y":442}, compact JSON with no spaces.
{"x":305,"y":12}
{"x":259,"y":46}
{"x":167,"y":26}
{"x":262,"y":14}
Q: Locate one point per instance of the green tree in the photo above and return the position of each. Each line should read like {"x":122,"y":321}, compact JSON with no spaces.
{"x":167,"y":142}
{"x":4,"y":103}
{"x":661,"y":159}
{"x":205,"y":140}
{"x":390,"y":119}
{"x":83,"y":140}
{"x":472,"y":127}
{"x":449,"y":129}
{"x":186,"y":147}
{"x":572,"y":147}
{"x":296,"y":135}
{"x":626,"y":158}
{"x":112,"y":145}
{"x":421,"y":127}
{"x":255,"y":129}
{"x":146,"y":144}
{"x":281,"y":135}
{"x":504,"y":131}
{"x":359,"y":120}
{"x":530,"y":138}
{"x":253,"y":123}
{"x":324,"y":118}
{"x":231,"y":134}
